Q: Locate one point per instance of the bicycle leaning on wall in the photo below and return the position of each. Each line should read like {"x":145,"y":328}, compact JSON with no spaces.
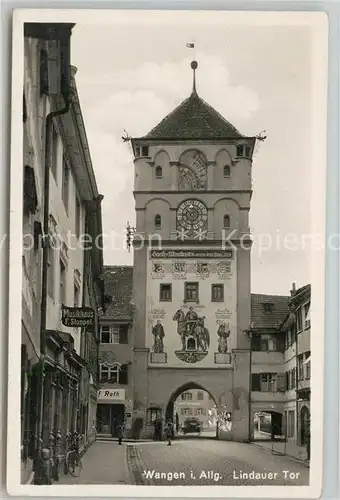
{"x":73,"y":460}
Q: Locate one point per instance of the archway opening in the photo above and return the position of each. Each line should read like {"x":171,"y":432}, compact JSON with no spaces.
{"x":268,"y":426}
{"x":194,"y":413}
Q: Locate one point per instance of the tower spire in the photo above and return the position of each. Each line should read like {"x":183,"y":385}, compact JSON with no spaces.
{"x":194,"y":66}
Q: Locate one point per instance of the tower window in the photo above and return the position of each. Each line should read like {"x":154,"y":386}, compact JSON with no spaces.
{"x":145,"y":150}
{"x":165,"y":292}
{"x":217,"y":293}
{"x":243,"y":151}
{"x":159,"y":172}
{"x":226,"y":221}
{"x":226,"y":171}
{"x":191,"y":292}
{"x":158,"y":221}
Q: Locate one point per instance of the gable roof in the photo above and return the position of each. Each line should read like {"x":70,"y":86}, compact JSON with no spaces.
{"x":194,"y":119}
{"x":262,"y":319}
{"x":118,"y":292}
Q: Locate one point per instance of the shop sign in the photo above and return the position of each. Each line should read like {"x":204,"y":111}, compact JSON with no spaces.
{"x":77,"y":316}
{"x":108,"y":395}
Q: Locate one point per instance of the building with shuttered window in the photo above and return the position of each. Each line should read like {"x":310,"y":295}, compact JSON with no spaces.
{"x":60,"y":203}
{"x":115,"y":352}
{"x":281,"y":364}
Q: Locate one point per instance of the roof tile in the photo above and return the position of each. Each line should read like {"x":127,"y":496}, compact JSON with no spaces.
{"x":262,"y":319}
{"x":118,"y":289}
{"x":194,"y":119}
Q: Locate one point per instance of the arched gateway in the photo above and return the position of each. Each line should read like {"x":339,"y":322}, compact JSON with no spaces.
{"x":191,"y":280}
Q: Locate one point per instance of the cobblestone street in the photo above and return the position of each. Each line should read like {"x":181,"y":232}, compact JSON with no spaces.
{"x":186,"y":462}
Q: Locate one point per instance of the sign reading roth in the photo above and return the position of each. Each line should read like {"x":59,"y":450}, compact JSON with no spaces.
{"x":77,"y":316}
{"x":109,"y":395}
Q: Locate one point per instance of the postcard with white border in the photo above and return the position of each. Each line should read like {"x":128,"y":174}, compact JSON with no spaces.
{"x":167,"y":253}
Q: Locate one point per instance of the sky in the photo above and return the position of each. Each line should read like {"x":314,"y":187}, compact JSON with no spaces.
{"x":258,"y":78}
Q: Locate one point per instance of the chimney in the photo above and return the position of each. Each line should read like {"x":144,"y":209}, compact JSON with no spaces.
{"x":293,"y":290}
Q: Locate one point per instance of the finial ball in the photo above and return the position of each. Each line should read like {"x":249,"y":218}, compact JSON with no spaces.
{"x":194,"y":65}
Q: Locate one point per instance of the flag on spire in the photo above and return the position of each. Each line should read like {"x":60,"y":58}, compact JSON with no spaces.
{"x":190,"y":45}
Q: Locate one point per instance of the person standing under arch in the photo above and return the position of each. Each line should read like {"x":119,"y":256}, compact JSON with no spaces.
{"x":169,"y":432}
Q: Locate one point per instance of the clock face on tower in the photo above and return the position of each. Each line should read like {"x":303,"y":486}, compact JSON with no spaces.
{"x":192,"y":215}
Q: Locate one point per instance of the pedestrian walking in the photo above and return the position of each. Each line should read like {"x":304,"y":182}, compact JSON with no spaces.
{"x":169,"y":432}
{"x":120,"y":432}
{"x":177,"y":423}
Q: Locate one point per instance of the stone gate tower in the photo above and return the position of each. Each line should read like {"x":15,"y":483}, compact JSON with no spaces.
{"x":191,"y":283}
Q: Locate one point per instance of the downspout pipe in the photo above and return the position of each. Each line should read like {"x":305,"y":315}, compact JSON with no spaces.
{"x":42,"y":477}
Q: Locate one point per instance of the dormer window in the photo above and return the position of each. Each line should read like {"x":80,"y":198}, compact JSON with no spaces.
{"x":145,"y":150}
{"x":158,"y":221}
{"x":226,"y":171}
{"x":268,"y":307}
{"x":226,"y":221}
{"x":159,"y":172}
{"x":243,"y":151}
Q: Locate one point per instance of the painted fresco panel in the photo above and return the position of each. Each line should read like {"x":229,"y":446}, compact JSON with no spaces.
{"x":197,"y":332}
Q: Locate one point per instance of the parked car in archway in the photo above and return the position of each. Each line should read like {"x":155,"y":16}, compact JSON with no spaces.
{"x":191,"y":425}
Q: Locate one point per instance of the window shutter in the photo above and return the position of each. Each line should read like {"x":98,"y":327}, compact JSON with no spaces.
{"x":281,"y":382}
{"x":256,"y":382}
{"x":43,"y":72}
{"x":123,"y":375}
{"x":123,"y":334}
{"x":256,"y":342}
{"x":280,"y":343}
{"x":287,"y":380}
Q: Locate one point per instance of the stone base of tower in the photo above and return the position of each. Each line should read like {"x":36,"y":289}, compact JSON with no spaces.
{"x":156,"y":389}
{"x":241,"y":396}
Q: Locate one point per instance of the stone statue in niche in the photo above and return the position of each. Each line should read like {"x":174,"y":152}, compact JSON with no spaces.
{"x":158,"y":335}
{"x":223,"y":334}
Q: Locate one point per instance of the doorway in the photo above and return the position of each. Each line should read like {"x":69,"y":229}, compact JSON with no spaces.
{"x":109,"y":417}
